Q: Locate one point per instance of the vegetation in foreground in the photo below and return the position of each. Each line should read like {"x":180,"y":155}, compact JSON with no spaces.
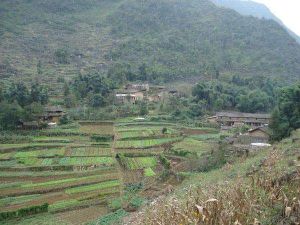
{"x":261,"y":189}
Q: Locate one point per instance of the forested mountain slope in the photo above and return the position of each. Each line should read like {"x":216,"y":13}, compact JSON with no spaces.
{"x":251,"y":8}
{"x":168,"y":38}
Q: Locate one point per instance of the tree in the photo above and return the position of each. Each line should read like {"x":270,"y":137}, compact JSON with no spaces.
{"x":1,"y":94}
{"x":286,"y":116}
{"x":201,"y":92}
{"x":32,"y":111}
{"x":10,"y":114}
{"x":19,"y":92}
{"x":62,"y":56}
{"x":35,"y":92}
{"x":44,"y":96}
{"x":97,"y":100}
{"x":69,"y":101}
{"x":39,"y":67}
{"x":254,"y":101}
{"x":143,"y":109}
{"x":197,"y":109}
{"x":164,"y":130}
{"x":143,"y":72}
{"x":65,"y":119}
{"x":66,"y":89}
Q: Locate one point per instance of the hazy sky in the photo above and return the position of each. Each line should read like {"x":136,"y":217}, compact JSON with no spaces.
{"x":288,"y":11}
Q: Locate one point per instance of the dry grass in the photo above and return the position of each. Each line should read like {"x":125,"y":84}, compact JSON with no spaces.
{"x":267,"y":196}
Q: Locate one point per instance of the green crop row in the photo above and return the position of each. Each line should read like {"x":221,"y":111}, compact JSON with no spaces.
{"x":69,"y":180}
{"x":145,"y":143}
{"x":5,"y":185}
{"x":41,"y":153}
{"x":97,"y":129}
{"x":65,"y":161}
{"x":89,"y":151}
{"x":17,"y":200}
{"x":86,"y":161}
{"x":63,"y":204}
{"x":106,"y":169}
{"x":93,"y":187}
{"x":4,"y":147}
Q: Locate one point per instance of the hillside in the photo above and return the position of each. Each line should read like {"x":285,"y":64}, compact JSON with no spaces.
{"x":251,"y":8}
{"x":175,"y":39}
{"x":262,"y":188}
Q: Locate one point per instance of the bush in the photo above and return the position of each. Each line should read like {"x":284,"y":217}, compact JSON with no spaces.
{"x":134,"y":187}
{"x":164,"y":130}
{"x":101,"y":138}
{"x":166,"y":163}
{"x":136,"y":202}
{"x":62,"y":56}
{"x":115,"y":204}
{"x":7,"y":215}
{"x":183,"y":153}
{"x":65,"y":119}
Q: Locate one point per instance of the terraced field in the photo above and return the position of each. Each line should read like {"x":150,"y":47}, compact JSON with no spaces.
{"x":134,"y":163}
{"x":65,"y":168}
{"x":81,"y":167}
{"x":146,"y":143}
{"x":139,"y":145}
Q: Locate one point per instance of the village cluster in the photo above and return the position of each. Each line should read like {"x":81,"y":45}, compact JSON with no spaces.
{"x":132,"y":93}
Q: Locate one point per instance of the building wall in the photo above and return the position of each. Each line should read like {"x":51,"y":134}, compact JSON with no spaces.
{"x":55,"y":119}
{"x":258,"y":133}
{"x":139,"y":95}
{"x":246,"y":139}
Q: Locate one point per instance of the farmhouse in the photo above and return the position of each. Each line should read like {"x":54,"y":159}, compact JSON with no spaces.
{"x":237,"y":118}
{"x":255,"y":135}
{"x":155,"y":97}
{"x":53,"y":114}
{"x":259,"y":132}
{"x":137,"y":87}
{"x":129,"y":96}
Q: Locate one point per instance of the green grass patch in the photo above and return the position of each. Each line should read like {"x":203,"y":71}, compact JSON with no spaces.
{"x":148,"y":172}
{"x":138,"y":162}
{"x":63,"y":204}
{"x":192,"y":145}
{"x":30,"y":161}
{"x":143,"y":131}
